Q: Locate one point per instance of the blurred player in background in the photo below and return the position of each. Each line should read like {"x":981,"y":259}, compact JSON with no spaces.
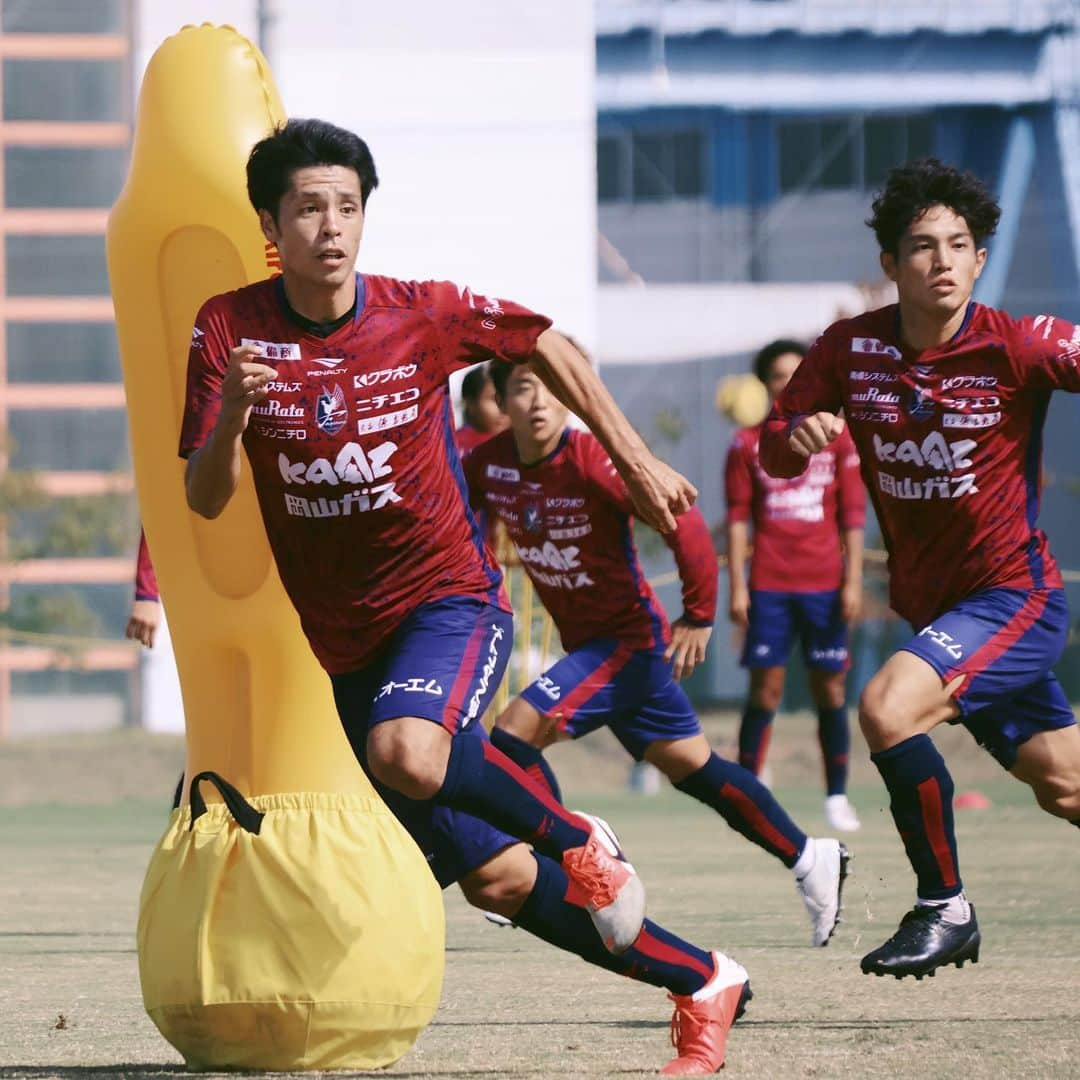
{"x":145,"y":615}
{"x":334,"y":385}
{"x":482,"y":417}
{"x":568,"y":514}
{"x":805,"y":582}
{"x":946,"y":400}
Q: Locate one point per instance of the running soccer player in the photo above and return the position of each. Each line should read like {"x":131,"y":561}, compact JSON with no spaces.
{"x":805,"y":581}
{"x":950,"y":444}
{"x":334,"y":386}
{"x":145,"y":618}
{"x":569,"y":515}
{"x":482,"y":416}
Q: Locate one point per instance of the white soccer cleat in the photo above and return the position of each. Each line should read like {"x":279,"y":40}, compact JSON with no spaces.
{"x":840,"y":814}
{"x":613,"y":893}
{"x":821,"y":888}
{"x":496,"y":919}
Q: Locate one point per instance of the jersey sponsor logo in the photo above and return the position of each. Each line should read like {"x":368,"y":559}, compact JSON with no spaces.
{"x":876,"y":416}
{"x":327,"y":362}
{"x":279,"y":387}
{"x":410,"y":686}
{"x":802,"y":503}
{"x":198,"y":337}
{"x":274,"y":350}
{"x":494,"y":496}
{"x":563,"y":560}
{"x":574,"y":533}
{"x":969,"y":382}
{"x":971,"y":404}
{"x":1069,"y":349}
{"x":874,"y":396}
{"x":497,"y":472}
{"x":946,"y":641}
{"x":385,"y":421}
{"x":560,"y":502}
{"x":331,"y":411}
{"x":394,"y":400}
{"x":933,"y":452}
{"x":874,"y":346}
{"x":836,"y":655}
{"x":297,"y":434}
{"x":932,"y":487}
{"x":548,"y":687}
{"x":491,"y":665}
{"x":970,"y":420}
{"x":360,"y":502}
{"x":278,"y":410}
{"x":351,"y":466}
{"x":1039,"y":320}
{"x":328,"y":366}
{"x":872,"y":376}
{"x":383,"y":376}
{"x":489,"y":306}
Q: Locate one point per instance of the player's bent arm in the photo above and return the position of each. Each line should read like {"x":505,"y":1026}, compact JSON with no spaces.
{"x":213,"y":471}
{"x":658,"y":492}
{"x":786,"y":446}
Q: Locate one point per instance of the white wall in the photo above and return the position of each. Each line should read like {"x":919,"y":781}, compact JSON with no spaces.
{"x":155,"y":20}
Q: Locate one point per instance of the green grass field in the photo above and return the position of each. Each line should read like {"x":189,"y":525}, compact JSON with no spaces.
{"x":512,"y":1006}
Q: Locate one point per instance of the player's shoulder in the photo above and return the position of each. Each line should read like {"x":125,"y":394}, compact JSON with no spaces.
{"x":584,"y":446}
{"x":746,"y":439}
{"x":498,"y":450}
{"x":381,"y":290}
{"x":870,"y":332}
{"x":238,"y":302}
{"x":1024,"y":330}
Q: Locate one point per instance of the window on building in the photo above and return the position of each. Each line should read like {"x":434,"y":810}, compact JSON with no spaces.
{"x":56,"y":266}
{"x":69,"y":439}
{"x":651,"y":166}
{"x":64,"y":16}
{"x":62,"y":352}
{"x":848,"y":153}
{"x":65,"y":90}
{"x":41,"y":177}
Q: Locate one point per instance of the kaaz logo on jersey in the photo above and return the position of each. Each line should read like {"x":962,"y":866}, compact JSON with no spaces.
{"x":331,"y":410}
{"x":934,"y":453}
{"x":351,"y":466}
{"x":563,"y":560}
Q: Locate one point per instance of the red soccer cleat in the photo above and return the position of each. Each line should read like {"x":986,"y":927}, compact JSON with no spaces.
{"x":608,"y":886}
{"x":700,"y":1025}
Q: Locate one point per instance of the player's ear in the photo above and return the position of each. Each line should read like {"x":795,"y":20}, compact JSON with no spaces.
{"x":980,"y":261}
{"x":888,"y":264}
{"x":268,"y":226}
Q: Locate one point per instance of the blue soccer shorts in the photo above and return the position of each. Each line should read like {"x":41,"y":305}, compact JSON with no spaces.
{"x":607,"y":684}
{"x":443,"y":664}
{"x":775,"y":619}
{"x":1003,"y":642}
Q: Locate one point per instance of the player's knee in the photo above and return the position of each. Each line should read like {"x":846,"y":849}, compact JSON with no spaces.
{"x":767,"y":696}
{"x":503,"y":887}
{"x":1059,"y":797}
{"x":882,"y":716}
{"x":412,"y":765}
{"x":830,"y":693}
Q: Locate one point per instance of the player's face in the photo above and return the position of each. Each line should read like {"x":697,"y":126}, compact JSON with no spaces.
{"x":319,"y":224}
{"x":484,"y":413}
{"x":936,"y":264}
{"x":536,"y":415}
{"x":780,"y":372}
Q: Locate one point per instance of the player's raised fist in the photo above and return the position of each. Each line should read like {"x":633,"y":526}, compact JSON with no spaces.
{"x":813,"y":433}
{"x":659,"y":493}
{"x":246,"y":380}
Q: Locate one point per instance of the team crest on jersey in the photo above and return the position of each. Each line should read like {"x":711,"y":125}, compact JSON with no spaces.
{"x":197,"y":337}
{"x":532,"y":519}
{"x":331,"y":410}
{"x":920,"y":405}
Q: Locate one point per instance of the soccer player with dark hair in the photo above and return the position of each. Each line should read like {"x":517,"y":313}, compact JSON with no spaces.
{"x":482,"y":416}
{"x":569,"y":516}
{"x":334,"y":385}
{"x":805,"y":581}
{"x":950,"y":447}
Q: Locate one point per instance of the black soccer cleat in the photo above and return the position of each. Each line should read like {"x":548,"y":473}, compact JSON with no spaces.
{"x":923,"y":943}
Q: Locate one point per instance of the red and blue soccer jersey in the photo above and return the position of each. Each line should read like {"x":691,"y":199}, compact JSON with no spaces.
{"x":950,"y":441}
{"x":797,"y":522}
{"x":146,"y":586}
{"x":569,"y":517}
{"x":352,"y":453}
{"x":468,"y":438}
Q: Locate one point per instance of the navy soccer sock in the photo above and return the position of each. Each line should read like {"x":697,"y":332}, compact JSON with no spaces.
{"x":657,"y":957}
{"x":484,"y":782}
{"x":754,"y":733}
{"x":920,"y":797}
{"x":834,"y":734}
{"x":529,"y":758}
{"x":747,"y":805}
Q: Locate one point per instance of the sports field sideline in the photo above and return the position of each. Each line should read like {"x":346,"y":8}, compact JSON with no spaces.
{"x":72,"y":862}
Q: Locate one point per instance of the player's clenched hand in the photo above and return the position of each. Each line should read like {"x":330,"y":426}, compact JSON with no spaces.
{"x":687,"y":648}
{"x":814,"y":432}
{"x":144,"y":621}
{"x":245,"y":382}
{"x":659,"y":493}
{"x":739,"y":607}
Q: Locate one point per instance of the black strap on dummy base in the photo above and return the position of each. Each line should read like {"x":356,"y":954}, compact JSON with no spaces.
{"x":247,"y":817}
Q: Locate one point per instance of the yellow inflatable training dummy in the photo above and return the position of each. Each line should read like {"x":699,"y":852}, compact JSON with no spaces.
{"x":296,"y":925}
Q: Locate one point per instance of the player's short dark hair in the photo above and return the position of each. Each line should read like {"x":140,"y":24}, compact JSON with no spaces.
{"x":912,"y":189}
{"x":500,"y":370}
{"x":763,"y":361}
{"x":297,"y":144}
{"x":476,"y":378}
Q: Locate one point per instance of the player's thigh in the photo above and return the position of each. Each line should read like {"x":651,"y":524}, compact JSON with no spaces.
{"x":905,"y":698}
{"x":503,"y":882}
{"x":770,"y":630}
{"x":587,"y":687}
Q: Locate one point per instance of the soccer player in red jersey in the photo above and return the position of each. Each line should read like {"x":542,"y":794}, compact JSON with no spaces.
{"x":483,"y":418}
{"x":805,"y":581}
{"x":569,"y":516}
{"x":334,"y":386}
{"x":145,"y":615}
{"x":950,"y":445}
